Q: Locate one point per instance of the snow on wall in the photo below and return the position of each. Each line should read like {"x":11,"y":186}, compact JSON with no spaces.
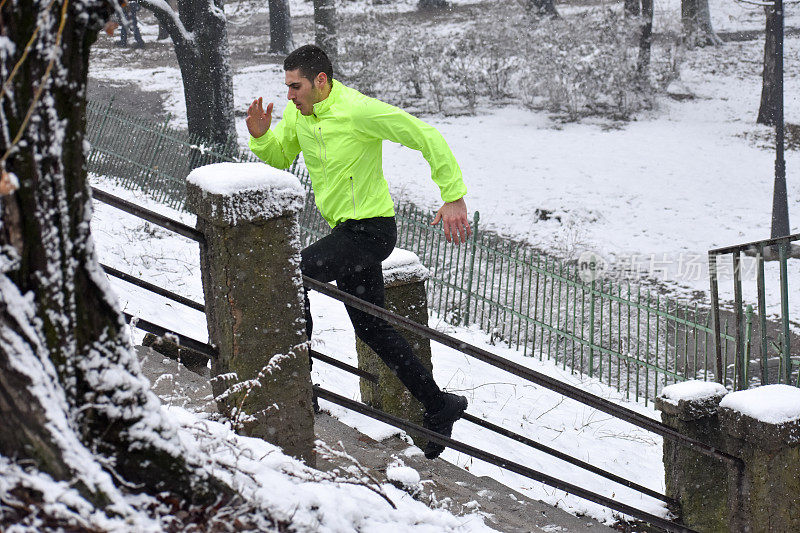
{"x":403,"y":266}
{"x":249,"y":191}
{"x":773,"y":404}
{"x":692,"y":390}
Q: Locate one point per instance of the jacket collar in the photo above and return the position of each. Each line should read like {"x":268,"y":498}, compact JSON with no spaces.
{"x":322,"y":107}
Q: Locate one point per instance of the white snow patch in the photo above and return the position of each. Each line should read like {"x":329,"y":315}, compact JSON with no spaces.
{"x":402,"y":266}
{"x":400,"y":473}
{"x":229,"y":179}
{"x":693,"y":390}
{"x":773,"y":404}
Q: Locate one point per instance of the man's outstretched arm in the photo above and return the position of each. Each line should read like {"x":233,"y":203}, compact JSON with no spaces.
{"x":378,"y":119}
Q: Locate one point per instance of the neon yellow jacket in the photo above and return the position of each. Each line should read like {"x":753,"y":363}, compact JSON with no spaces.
{"x":341,"y":144}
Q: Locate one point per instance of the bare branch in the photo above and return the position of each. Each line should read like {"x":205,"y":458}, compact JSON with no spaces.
{"x":170,"y":20}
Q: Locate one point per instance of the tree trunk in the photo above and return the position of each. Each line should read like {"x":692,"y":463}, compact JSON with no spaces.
{"x":696,"y":20}
{"x":432,"y":4}
{"x":70,"y":394}
{"x":199,"y":34}
{"x":325,"y":29}
{"x":646,"y":37}
{"x":769,"y":92}
{"x":540,"y":8}
{"x":632,"y":8}
{"x":280,"y":27}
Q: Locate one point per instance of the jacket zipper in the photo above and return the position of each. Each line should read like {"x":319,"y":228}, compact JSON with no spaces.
{"x":323,"y":152}
{"x":353,"y":194}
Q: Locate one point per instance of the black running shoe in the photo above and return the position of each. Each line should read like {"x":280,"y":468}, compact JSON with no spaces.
{"x":442,"y":421}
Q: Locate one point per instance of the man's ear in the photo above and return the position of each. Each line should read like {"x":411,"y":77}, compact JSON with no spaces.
{"x":321,"y":80}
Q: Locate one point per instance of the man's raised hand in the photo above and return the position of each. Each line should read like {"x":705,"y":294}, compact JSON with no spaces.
{"x":454,"y":221}
{"x":258,"y":121}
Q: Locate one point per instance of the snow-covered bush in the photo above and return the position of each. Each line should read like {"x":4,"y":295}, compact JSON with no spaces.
{"x":585,"y":65}
{"x":582,"y":65}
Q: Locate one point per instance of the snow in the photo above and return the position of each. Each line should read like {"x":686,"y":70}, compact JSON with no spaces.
{"x":693,"y":390}
{"x":228,"y":179}
{"x":277,"y":192}
{"x":403,"y":266}
{"x":772,"y":404}
{"x":405,"y":475}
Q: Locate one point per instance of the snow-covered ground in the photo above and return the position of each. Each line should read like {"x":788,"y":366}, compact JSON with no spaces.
{"x":166,"y":259}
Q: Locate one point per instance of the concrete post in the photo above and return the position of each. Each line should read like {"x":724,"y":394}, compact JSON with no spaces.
{"x":762,"y":427}
{"x":404,"y":278}
{"x":252,"y":285}
{"x":696,"y":481}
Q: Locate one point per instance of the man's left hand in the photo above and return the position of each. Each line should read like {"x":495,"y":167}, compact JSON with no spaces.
{"x":455,"y":221}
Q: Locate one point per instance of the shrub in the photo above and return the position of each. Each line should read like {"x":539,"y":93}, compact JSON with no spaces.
{"x":578,"y":66}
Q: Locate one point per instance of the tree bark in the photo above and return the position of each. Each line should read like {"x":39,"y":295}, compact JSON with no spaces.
{"x":62,"y":336}
{"x":540,"y":8}
{"x":432,"y":4}
{"x":769,"y":92}
{"x":646,"y":36}
{"x":325,"y":29}
{"x":696,"y":20}
{"x":280,"y":27}
{"x":199,"y":34}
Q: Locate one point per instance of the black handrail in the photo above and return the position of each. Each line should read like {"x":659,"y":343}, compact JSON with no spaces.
{"x":183,"y":340}
{"x":491,"y":458}
{"x":755,"y":244}
{"x":495,"y":428}
{"x":456,"y":445}
{"x":150,"y":216}
{"x":153,"y":288}
{"x":529,"y":374}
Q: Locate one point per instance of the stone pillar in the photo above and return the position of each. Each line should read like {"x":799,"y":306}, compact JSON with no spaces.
{"x":404,"y":278}
{"x":252,"y":285}
{"x":698,"y":482}
{"x":762,"y":427}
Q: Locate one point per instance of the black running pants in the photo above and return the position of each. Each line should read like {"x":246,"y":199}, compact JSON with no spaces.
{"x":351,"y":255}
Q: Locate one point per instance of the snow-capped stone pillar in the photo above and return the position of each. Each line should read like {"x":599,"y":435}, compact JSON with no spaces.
{"x":761,"y":426}
{"x":698,"y":482}
{"x":404,"y":278}
{"x":252,"y":285}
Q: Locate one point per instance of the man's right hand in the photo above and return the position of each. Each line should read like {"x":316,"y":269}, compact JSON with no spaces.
{"x":257,"y":120}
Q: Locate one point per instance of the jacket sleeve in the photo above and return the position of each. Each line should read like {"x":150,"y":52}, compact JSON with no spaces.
{"x":377,"y":119}
{"x":279,"y":146}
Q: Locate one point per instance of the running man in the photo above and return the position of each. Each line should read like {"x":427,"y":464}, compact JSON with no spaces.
{"x":340,"y":132}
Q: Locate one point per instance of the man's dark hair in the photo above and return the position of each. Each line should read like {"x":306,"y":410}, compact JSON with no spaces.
{"x":311,"y":60}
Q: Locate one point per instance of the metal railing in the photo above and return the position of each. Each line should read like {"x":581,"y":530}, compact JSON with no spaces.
{"x":628,"y":337}
{"x":487,"y":357}
{"x":743,"y":318}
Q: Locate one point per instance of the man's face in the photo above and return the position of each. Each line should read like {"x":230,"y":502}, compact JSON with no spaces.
{"x":302,"y":92}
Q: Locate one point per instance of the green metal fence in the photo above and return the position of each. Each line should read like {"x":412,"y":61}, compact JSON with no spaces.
{"x":626,"y":336}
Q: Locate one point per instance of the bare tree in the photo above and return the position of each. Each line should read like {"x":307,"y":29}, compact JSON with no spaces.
{"x":325,"y":28}
{"x":432,"y":4}
{"x":644,"y":10}
{"x":539,"y":8}
{"x":696,"y":20}
{"x":72,"y":399}
{"x":280,"y":27}
{"x":199,"y":33}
